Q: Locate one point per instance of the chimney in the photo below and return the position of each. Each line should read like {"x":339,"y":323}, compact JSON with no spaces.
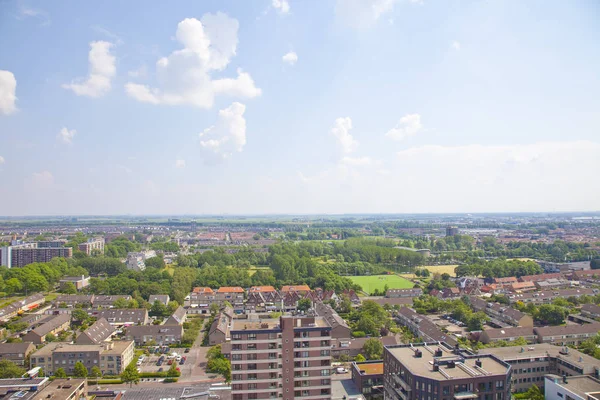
{"x":478,"y":363}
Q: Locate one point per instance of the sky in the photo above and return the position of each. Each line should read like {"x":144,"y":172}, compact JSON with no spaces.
{"x":299,"y":106}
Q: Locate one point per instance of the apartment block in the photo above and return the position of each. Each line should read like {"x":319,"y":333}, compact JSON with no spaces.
{"x":92,"y":246}
{"x":51,"y":326}
{"x":80,"y":282}
{"x":567,"y":335}
{"x":432,"y":371}
{"x":137,"y":260}
{"x":16,"y":352}
{"x":110,"y":357}
{"x":582,"y":387}
{"x":286,"y":358}
{"x":61,"y":389}
{"x":531,"y":363}
{"x":368,"y":378}
{"x":159,"y":334}
{"x":28,"y":253}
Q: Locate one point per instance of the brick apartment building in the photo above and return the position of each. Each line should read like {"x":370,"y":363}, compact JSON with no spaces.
{"x":286,"y":358}
{"x":422,"y":371}
{"x":21,"y":255}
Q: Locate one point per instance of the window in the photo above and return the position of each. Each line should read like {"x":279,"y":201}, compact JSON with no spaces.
{"x":236,"y":336}
{"x":252,"y":336}
{"x":236,"y":357}
{"x":325,"y":372}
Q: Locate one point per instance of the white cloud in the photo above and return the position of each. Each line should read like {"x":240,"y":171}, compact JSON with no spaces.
{"x":408,"y":126}
{"x":30,"y":12}
{"x":362,"y":14}
{"x":227,"y":136}
{"x":282,"y":6}
{"x":456,"y":45}
{"x":184,"y":76}
{"x":1,"y":160}
{"x":67,"y":135}
{"x":179,"y":163}
{"x":8,"y":88}
{"x":103,"y":31}
{"x":290,"y":58}
{"x":341,"y":131}
{"x":101,"y":71}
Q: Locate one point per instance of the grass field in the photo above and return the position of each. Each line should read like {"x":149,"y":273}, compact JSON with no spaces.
{"x":441,"y":269}
{"x":372,"y":282}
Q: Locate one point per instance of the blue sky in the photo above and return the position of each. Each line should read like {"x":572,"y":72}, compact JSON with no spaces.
{"x":273,"y":106}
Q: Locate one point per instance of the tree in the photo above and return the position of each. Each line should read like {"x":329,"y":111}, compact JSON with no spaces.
{"x":304,"y":305}
{"x":595,"y":263}
{"x":80,"y":371}
{"x":360,"y":358}
{"x":68,"y":288}
{"x":50,"y":337}
{"x":172,"y":372}
{"x":214,"y":308}
{"x":120,"y":303}
{"x":551,"y":314}
{"x":534,"y":393}
{"x":60,"y":373}
{"x":159,"y":309}
{"x":345,"y":305}
{"x":217,"y":362}
{"x":130,"y":375}
{"x":13,"y":285}
{"x":96,"y":372}
{"x":373,"y":349}
{"x":9,"y":369}
{"x":80,"y":315}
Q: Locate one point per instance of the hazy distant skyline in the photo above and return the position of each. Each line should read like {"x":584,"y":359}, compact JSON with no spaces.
{"x":299,"y":107}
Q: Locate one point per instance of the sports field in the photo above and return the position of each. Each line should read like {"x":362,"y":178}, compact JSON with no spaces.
{"x":371,"y":282}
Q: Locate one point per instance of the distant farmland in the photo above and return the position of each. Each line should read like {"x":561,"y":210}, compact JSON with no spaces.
{"x":371,"y":282}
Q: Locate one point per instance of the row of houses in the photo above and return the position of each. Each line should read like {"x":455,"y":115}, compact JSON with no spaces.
{"x":20,"y":306}
{"x":259,"y":298}
{"x":501,"y":313}
{"x":423,"y":327}
{"x":87,"y":300}
{"x":559,"y":335}
{"x":548,"y":296}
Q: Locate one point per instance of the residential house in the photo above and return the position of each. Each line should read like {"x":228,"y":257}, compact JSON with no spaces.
{"x":290,"y":301}
{"x":159,"y":334}
{"x":520,"y":287}
{"x":339,"y":327}
{"x":541,"y":277}
{"x":590,"y":310}
{"x":20,"y":306}
{"x":351,"y":347}
{"x":321,"y":295}
{"x":351,"y":294}
{"x":505,"y":281}
{"x":110,"y":357}
{"x":261,"y":289}
{"x":199,"y":300}
{"x":507,"y":335}
{"x":99,"y":332}
{"x":72,"y":300}
{"x":423,"y":327}
{"x":552,"y":283}
{"x":567,"y":335}
{"x":300,"y":289}
{"x":108,"y":301}
{"x":52,"y":326}
{"x":393,"y":293}
{"x":502,"y":313}
{"x":177,"y":318}
{"x":219,"y":330}
{"x":161,"y":298}
{"x":16,"y":352}
{"x":124,"y":316}
{"x":232,"y":295}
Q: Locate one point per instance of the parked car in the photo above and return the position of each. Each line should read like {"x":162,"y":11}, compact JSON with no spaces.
{"x":182,"y":361}
{"x":160,"y":369}
{"x":187,"y":350}
{"x":170,"y":362}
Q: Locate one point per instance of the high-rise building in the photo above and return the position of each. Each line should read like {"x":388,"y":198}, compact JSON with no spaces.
{"x":287,"y":358}
{"x":92,"y":246}
{"x":433,"y":371}
{"x":21,"y":254}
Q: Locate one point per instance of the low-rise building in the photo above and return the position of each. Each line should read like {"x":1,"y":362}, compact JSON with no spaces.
{"x":177,"y":318}
{"x":339,"y":326}
{"x":233,"y":295}
{"x":16,"y":352}
{"x":300,"y":289}
{"x":159,"y":334}
{"x":423,"y":327}
{"x":415,"y":292}
{"x":108,"y":301}
{"x":508,"y":335}
{"x":590,"y":310}
{"x":541,"y":277}
{"x":79,"y":282}
{"x":27,"y":304}
{"x":123,"y":316}
{"x":219,"y":330}
{"x":583,"y":387}
{"x":99,"y":332}
{"x":110,"y":357}
{"x":63,"y":389}
{"x":368,"y":378}
{"x":501,"y":312}
{"x":521,"y":287}
{"x":52,"y":326}
{"x":432,"y":371}
{"x":72,"y":300}
{"x":567,"y":335}
{"x":349,"y":348}
{"x":531,"y":363}
{"x":161,"y":298}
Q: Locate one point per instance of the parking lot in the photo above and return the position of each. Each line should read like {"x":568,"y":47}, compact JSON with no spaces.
{"x":150,"y":361}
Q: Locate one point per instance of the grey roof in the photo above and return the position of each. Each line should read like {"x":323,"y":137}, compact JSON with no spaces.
{"x":591,"y":308}
{"x":427,"y":327}
{"x":332,"y":317}
{"x":502,"y":333}
{"x":99,"y":331}
{"x":15,"y":348}
{"x":74,"y":298}
{"x":358,"y":343}
{"x":221,"y":323}
{"x":568,"y":330}
{"x":108,"y":300}
{"x":52,"y":324}
{"x":163,"y":298}
{"x":139,"y":330}
{"x":177,"y":317}
{"x":123,"y":315}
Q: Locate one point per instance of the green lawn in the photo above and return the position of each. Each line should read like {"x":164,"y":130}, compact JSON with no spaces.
{"x":372,"y":282}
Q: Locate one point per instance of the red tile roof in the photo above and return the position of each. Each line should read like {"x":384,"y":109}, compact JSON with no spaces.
{"x":230,"y":289}
{"x":297,"y":288}
{"x":262,"y":289}
{"x":206,"y":290}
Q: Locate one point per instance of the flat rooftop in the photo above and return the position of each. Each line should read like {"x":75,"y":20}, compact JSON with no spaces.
{"x":541,"y":350}
{"x":60,"y":389}
{"x":370,"y":368}
{"x":465,"y":367}
{"x":580,"y":385}
{"x":245,"y":324}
